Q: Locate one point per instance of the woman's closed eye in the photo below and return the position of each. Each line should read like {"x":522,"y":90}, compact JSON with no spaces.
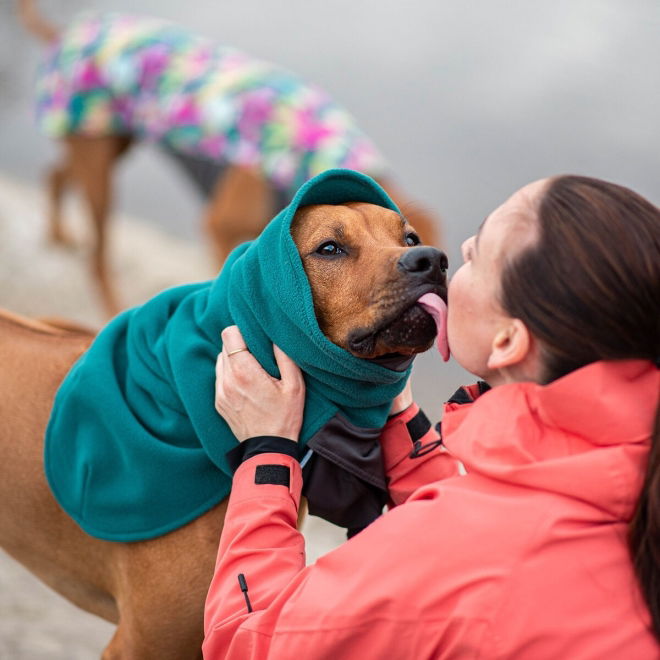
{"x":467,"y":249}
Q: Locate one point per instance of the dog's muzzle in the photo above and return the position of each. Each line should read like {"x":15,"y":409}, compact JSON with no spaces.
{"x":408,"y":327}
{"x":425,"y":264}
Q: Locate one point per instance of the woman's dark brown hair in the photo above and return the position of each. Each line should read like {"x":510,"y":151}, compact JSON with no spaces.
{"x":589,"y":289}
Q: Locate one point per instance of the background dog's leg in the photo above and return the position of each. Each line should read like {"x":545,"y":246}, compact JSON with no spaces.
{"x":92,"y":165}
{"x":57,"y":179}
{"x":241,"y":205}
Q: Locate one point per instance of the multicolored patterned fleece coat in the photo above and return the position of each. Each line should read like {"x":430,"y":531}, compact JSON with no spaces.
{"x":114,"y":73}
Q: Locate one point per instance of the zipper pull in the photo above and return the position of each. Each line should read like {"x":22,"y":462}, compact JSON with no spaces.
{"x":244,"y":588}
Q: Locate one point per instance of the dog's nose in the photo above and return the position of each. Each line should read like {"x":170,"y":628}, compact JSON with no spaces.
{"x":424,"y":262}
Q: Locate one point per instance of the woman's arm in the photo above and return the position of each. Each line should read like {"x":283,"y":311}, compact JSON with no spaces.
{"x":413,"y":455}
{"x":261,"y":593}
{"x":260,"y":553}
{"x":260,"y":548}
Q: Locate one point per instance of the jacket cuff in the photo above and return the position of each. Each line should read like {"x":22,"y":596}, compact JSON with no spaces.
{"x":403,"y":416}
{"x":396,"y":440}
{"x":417,"y":423}
{"x":469,"y":393}
{"x":268,"y":476}
{"x":262,"y":444}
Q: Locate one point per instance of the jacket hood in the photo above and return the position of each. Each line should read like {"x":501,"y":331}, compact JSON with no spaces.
{"x":585,"y":436}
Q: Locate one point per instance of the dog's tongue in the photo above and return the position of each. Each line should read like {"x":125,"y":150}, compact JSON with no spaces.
{"x":437,"y":308}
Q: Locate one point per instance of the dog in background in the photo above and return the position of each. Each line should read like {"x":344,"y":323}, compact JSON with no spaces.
{"x":247,"y":132}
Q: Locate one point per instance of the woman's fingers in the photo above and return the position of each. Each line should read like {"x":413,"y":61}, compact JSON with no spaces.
{"x":251,"y":401}
{"x":237,"y":359}
{"x":232,"y":338}
{"x":290,"y":373}
{"x":233,"y":344}
{"x":219,"y":380}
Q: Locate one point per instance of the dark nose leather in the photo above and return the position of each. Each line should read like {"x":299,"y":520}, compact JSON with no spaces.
{"x":426,"y":263}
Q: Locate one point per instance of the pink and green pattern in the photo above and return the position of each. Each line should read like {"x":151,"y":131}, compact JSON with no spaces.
{"x":115,"y":73}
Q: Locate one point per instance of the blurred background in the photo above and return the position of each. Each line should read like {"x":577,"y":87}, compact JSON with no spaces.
{"x":468,"y":101}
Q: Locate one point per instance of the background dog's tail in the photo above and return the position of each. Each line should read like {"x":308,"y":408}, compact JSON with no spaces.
{"x":35,"y":23}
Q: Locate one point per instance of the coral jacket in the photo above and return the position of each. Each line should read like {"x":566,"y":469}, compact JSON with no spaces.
{"x":523,"y":557}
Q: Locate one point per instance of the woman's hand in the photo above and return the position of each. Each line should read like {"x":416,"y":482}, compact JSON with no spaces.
{"x":251,"y":401}
{"x":403,"y":400}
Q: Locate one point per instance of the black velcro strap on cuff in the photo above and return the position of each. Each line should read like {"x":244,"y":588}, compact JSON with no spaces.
{"x":262,"y":444}
{"x":418,"y":426}
{"x":278,"y":475}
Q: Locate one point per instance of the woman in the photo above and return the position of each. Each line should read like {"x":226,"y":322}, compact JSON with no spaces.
{"x":549,"y":547}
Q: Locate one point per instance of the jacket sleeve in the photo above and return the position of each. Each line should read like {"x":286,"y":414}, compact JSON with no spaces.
{"x":260,"y":542}
{"x":413,"y":455}
{"x":333,"y":608}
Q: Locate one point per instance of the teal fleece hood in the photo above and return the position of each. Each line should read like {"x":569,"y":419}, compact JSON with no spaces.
{"x":134,"y":446}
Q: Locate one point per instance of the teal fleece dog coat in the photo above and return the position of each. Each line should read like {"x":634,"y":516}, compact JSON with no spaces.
{"x":134,"y":445}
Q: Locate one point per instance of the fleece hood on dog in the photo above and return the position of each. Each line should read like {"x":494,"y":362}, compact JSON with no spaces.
{"x":134,"y":446}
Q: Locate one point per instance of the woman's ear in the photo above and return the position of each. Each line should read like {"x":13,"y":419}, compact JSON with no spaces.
{"x":511,"y":346}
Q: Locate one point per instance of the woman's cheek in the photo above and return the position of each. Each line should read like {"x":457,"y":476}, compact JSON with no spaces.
{"x":455,"y":310}
{"x":464,"y":322}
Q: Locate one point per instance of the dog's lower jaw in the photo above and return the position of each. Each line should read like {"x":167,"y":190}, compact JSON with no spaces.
{"x":411,"y":333}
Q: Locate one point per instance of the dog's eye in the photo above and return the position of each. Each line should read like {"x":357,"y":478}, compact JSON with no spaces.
{"x":329,"y":249}
{"x":412,"y":239}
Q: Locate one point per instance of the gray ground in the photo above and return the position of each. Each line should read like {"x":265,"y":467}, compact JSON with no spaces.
{"x":469,"y":100}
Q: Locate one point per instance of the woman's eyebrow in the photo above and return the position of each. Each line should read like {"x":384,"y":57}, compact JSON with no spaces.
{"x":476,"y":238}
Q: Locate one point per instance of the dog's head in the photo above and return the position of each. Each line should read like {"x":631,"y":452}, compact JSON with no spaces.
{"x":367,"y":272}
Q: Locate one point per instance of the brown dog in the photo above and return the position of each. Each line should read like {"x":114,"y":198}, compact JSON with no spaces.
{"x":365,"y":278}
{"x":241,"y":198}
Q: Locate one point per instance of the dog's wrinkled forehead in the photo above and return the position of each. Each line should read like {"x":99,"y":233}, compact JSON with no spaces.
{"x":348,"y":222}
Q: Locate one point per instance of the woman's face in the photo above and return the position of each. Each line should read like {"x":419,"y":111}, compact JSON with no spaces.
{"x":475,"y":315}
